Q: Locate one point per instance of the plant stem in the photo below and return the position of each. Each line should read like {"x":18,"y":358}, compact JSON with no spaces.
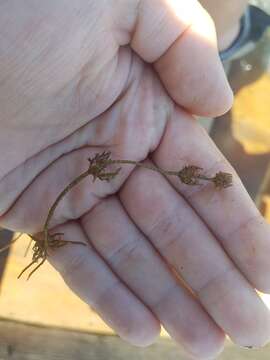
{"x":189,"y":175}
{"x":73,"y":183}
{"x":150,"y":167}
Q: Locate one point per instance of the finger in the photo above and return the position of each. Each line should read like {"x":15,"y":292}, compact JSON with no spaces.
{"x":179,"y":38}
{"x":92,"y":280}
{"x":135,"y":261}
{"x":186,"y":243}
{"x":229,"y":213}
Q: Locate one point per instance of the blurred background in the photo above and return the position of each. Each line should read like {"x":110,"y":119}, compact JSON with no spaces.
{"x":42,"y":319}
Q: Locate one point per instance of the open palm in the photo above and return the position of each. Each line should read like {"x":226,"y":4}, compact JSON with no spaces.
{"x":80,"y":79}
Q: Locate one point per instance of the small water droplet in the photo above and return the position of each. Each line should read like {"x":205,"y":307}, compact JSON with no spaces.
{"x":245,"y":65}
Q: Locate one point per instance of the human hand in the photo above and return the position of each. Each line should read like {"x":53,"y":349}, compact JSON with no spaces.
{"x":81,"y":78}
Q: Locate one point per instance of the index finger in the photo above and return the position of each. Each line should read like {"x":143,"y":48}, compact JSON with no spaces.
{"x":229,"y":213}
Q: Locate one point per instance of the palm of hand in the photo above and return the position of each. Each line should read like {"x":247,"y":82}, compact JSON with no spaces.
{"x":141,"y":228}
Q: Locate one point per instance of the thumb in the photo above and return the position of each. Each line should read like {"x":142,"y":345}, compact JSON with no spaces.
{"x":179,"y":38}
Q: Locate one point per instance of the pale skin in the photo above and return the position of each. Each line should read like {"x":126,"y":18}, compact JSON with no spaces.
{"x":126,"y":76}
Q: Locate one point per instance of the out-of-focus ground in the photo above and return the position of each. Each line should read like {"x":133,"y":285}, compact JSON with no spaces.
{"x":45,"y":308}
{"x":243,"y":134}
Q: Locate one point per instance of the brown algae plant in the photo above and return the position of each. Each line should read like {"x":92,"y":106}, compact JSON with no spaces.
{"x":189,"y":175}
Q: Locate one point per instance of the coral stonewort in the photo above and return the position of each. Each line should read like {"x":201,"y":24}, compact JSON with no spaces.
{"x":189,"y":175}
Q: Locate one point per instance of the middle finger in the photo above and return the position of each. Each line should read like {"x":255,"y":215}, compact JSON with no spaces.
{"x":183,"y":239}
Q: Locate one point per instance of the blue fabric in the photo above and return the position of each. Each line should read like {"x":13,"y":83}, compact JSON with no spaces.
{"x":253,"y":24}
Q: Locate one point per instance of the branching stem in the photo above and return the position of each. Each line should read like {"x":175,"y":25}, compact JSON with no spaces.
{"x":189,"y":175}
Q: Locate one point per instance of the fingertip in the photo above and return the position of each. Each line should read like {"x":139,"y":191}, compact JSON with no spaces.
{"x":219,"y":103}
{"x":257,"y":338}
{"x":195,"y":78}
{"x":142,"y":336}
{"x":192,"y":71}
{"x":210,"y":346}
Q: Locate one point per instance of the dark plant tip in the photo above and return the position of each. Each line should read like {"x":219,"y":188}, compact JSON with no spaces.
{"x":189,"y":175}
{"x":222,"y":180}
